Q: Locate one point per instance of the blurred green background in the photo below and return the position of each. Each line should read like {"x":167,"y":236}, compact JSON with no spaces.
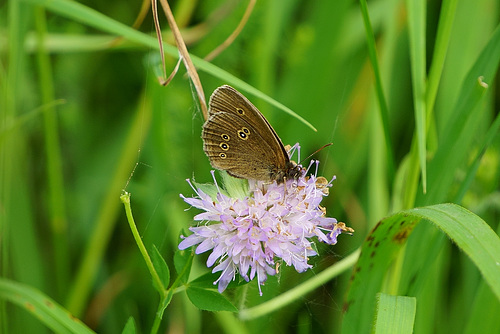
{"x":83,"y":118}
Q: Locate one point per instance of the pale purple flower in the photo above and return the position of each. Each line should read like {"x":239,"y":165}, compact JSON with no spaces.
{"x":273,"y":222}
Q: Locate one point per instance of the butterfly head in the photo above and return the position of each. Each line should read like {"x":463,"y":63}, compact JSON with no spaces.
{"x":292,"y":171}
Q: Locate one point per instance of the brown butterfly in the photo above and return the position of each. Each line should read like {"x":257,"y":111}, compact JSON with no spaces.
{"x":237,"y":138}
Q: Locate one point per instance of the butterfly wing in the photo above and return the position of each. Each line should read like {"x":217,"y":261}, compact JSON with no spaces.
{"x":237,"y":138}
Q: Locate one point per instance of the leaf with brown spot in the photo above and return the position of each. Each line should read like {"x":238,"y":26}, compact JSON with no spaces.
{"x":471,"y":234}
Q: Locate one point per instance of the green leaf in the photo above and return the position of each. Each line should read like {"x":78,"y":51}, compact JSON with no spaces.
{"x":484,"y":305}
{"x":209,"y":300}
{"x":446,"y":18}
{"x":471,"y":171}
{"x":209,"y":188}
{"x":165,"y":302}
{"x":53,"y":315}
{"x":235,"y":187}
{"x":395,"y":314}
{"x":471,"y":234}
{"x":161,"y":268}
{"x":416,"y":31}
{"x":382,"y":102}
{"x":182,"y":263}
{"x":207,"y":280}
{"x":129,"y":326}
{"x":460,"y":130}
{"x":231,"y":186}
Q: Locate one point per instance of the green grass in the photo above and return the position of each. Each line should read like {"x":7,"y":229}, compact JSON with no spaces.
{"x":407,"y":93}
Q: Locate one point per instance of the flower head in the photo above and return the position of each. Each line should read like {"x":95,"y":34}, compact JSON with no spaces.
{"x":247,"y":234}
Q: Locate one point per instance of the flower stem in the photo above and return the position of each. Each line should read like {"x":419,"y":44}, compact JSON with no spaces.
{"x":156,"y":323}
{"x":164,"y":295}
{"x":300,"y":290}
{"x":125,"y":198}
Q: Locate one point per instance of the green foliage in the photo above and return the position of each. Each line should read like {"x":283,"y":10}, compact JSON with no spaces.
{"x":395,"y":314}
{"x":182,"y":261}
{"x":209,"y":300}
{"x":83,"y":119}
{"x":161,"y":268}
{"x":129,"y":327}
{"x":53,"y":315}
{"x":382,"y":245}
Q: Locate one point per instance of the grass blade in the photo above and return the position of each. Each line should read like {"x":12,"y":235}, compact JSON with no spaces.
{"x":395,"y":314}
{"x":416,"y":31}
{"x":460,"y":129}
{"x":42,"y":307}
{"x":384,"y":110}
{"x":442,"y":41}
{"x":471,"y":234}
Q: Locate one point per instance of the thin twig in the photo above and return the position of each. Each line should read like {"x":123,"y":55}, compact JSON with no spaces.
{"x":137,"y":23}
{"x":193,"y":74}
{"x":142,"y":14}
{"x":154,"y":10}
{"x":165,"y":82}
{"x":218,"y":50}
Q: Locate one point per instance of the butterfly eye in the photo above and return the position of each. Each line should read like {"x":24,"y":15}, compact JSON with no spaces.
{"x":224,"y":146}
{"x":225,"y":137}
{"x":223,"y":155}
{"x":240,"y":111}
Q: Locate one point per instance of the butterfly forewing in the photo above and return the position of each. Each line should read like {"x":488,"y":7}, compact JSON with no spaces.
{"x":237,"y":138}
{"x":249,"y":157}
{"x":228,"y":99}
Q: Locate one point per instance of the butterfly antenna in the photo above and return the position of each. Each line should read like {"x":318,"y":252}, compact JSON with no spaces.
{"x":319,"y":149}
